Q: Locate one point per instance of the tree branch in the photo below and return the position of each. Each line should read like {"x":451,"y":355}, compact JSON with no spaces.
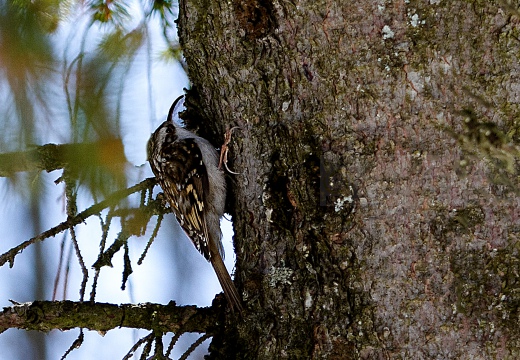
{"x":52,"y":157}
{"x":73,"y":221}
{"x":66,"y":315}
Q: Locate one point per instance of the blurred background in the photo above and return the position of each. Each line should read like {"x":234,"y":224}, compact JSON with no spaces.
{"x":76,"y":72}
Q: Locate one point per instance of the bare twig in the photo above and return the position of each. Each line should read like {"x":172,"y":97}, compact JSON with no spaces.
{"x":105,"y":226}
{"x":136,"y":346}
{"x":75,"y":345}
{"x":72,"y":210}
{"x":78,"y":219}
{"x":152,"y":238}
{"x":84,"y":270}
{"x":147,"y":347}
{"x":60,"y":265}
{"x":173,"y":341}
{"x":195,"y":345}
{"x":127,"y":265}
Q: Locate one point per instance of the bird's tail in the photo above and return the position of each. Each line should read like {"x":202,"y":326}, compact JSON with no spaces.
{"x":230,"y":291}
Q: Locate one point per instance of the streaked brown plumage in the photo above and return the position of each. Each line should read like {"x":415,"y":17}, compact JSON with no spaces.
{"x":186,"y":167}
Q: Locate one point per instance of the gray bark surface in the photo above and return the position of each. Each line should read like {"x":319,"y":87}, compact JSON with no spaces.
{"x":376,"y":212}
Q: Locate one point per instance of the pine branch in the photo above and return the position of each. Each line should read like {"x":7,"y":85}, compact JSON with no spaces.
{"x":52,"y":157}
{"x":78,"y":219}
{"x":65,"y":315}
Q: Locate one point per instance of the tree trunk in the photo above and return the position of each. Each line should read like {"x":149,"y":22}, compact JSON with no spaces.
{"x":376,"y":212}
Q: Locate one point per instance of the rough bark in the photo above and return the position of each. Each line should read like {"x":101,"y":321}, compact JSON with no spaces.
{"x":375,"y":211}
